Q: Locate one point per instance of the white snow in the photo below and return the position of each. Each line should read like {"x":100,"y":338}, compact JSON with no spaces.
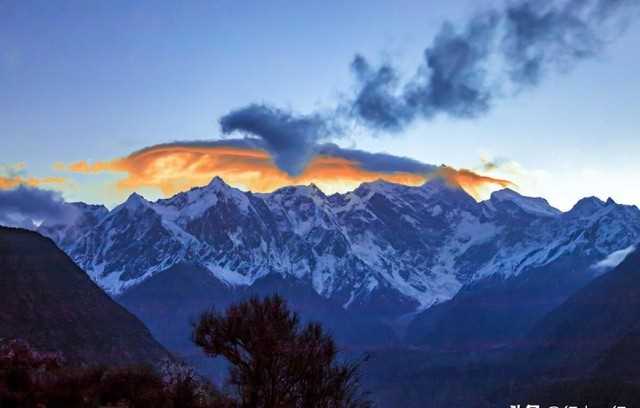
{"x":228,"y":276}
{"x":615,"y":258}
{"x":531,"y":205}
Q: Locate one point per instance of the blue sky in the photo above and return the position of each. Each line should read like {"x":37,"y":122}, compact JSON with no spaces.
{"x":98,"y":80}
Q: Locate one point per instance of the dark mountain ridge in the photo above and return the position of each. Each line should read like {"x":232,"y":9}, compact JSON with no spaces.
{"x":48,"y":301}
{"x":582,"y":335}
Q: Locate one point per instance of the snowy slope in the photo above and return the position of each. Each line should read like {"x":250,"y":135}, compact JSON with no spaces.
{"x":404,"y":247}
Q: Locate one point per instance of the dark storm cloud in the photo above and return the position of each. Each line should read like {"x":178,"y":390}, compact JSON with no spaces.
{"x":289,"y":138}
{"x":527,"y":38}
{"x":377,"y":102}
{"x":451,"y":80}
{"x":377,"y":162}
{"x":494,"y":54}
{"x":24,"y":206}
{"x":539,"y":37}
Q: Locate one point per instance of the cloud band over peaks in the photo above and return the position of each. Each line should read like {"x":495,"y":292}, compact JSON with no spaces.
{"x":247,"y":164}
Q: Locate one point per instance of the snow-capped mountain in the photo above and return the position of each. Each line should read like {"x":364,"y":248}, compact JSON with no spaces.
{"x":405,"y":247}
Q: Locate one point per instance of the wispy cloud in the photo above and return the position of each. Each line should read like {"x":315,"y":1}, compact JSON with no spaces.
{"x":15,"y":181}
{"x":14,"y":175}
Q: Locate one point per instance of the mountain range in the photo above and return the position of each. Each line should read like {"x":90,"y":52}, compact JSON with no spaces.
{"x":383,"y":248}
{"x":453,"y":297}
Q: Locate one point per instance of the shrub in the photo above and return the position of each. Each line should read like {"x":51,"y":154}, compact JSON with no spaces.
{"x":275,"y":361}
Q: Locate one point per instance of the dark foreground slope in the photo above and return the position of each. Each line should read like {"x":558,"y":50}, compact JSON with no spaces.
{"x":574,"y":337}
{"x":583,"y":352}
{"x":495,"y":312}
{"x":50,"y":302}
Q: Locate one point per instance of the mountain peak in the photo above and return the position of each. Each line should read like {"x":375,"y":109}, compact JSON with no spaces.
{"x":84,"y":206}
{"x":135,"y":199}
{"x":587,"y":206}
{"x":505,"y":194}
{"x":217,"y":183}
{"x":313,"y":187}
{"x":530,"y":205}
{"x":439,"y":184}
{"x":133,"y":203}
{"x":199,"y":199}
{"x":308,"y":190}
{"x":376,"y":186}
{"x":379,"y":182}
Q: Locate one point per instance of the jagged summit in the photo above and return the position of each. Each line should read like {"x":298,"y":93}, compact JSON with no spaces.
{"x":506,"y":194}
{"x":310,"y":189}
{"x":378,"y":186}
{"x":440,"y":183}
{"x":217,"y":183}
{"x":135,"y":197}
{"x":95,"y":207}
{"x":133,"y":202}
{"x":587,"y":206}
{"x":530,"y":205}
{"x":447,"y":193}
{"x":315,"y":188}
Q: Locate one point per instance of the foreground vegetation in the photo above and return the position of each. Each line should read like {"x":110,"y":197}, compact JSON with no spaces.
{"x":274,"y":362}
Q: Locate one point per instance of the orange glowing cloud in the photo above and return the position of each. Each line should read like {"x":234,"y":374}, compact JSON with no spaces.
{"x":174,"y":168}
{"x":473,"y":183}
{"x":7,"y":183}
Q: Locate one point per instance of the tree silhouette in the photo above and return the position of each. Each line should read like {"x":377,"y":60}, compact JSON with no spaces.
{"x":275,"y":362}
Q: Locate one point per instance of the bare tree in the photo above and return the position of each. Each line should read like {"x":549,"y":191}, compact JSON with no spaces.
{"x":275,"y":362}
